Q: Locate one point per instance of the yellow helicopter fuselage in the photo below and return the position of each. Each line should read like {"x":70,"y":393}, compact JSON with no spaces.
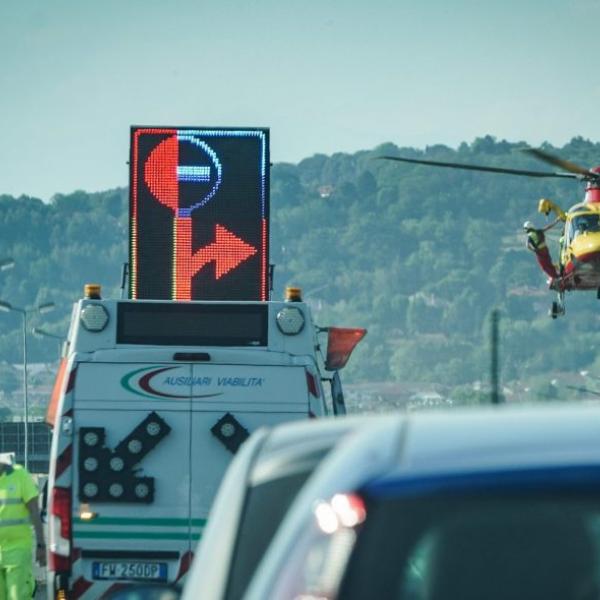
{"x":580,"y":247}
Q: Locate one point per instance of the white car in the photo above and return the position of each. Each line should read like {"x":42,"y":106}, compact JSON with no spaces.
{"x":495,"y":503}
{"x":259,"y":486}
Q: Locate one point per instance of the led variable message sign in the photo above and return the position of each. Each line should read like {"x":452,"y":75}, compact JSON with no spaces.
{"x":199,"y":213}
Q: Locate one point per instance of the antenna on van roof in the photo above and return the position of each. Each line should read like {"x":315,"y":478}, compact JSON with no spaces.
{"x":124,"y":279}
{"x":271,"y":278}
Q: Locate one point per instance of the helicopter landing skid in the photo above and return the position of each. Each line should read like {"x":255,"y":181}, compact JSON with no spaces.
{"x":558,"y":306}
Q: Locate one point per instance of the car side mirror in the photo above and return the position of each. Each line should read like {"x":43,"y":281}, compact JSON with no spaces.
{"x":337,"y":395}
{"x":146,"y":591}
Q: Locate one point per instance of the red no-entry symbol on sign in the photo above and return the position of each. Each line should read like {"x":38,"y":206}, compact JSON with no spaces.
{"x":199,"y":213}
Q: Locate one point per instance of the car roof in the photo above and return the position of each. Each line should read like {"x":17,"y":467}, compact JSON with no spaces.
{"x":500,"y":437}
{"x":296,"y":445}
{"x":455,"y":441}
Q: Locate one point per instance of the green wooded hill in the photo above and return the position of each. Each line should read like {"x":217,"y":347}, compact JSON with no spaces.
{"x":417,"y":255}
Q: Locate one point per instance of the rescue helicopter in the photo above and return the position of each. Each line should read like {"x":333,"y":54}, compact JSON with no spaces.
{"x":578,"y":265}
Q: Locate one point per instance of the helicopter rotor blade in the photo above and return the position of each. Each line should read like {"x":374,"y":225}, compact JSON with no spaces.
{"x":468,"y":167}
{"x":559,"y":162}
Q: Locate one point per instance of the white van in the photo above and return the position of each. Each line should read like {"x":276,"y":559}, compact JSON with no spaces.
{"x":152,"y":400}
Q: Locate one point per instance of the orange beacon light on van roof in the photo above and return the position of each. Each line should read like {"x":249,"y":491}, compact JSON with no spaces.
{"x":293,"y":294}
{"x":92,"y":291}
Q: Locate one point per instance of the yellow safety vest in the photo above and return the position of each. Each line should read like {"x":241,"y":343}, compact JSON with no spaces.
{"x":16,"y":489}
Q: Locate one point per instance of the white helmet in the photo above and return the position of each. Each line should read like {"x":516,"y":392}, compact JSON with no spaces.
{"x":528,"y":225}
{"x":7,"y":458}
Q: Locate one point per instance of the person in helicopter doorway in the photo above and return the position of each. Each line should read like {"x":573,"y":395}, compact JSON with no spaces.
{"x":536,"y":242}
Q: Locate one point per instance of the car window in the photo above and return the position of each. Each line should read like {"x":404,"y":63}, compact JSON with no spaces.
{"x":492,"y":547}
{"x":266,"y":505}
{"x":449,"y":547}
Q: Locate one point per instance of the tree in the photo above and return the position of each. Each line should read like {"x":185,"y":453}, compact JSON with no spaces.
{"x":10,"y":381}
{"x":467,"y":395}
{"x":418,"y":256}
{"x":5,"y":413}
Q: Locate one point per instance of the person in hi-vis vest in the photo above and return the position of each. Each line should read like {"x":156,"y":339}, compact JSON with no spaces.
{"x":18,"y":512}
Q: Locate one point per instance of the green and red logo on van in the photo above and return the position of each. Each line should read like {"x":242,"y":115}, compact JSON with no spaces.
{"x":142,"y":382}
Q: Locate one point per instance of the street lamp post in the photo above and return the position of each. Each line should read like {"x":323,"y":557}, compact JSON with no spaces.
{"x":39,"y":332}
{"x":6,"y":264}
{"x":41,"y":308}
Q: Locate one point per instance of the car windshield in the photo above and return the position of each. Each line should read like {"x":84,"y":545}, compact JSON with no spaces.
{"x":456,"y":546}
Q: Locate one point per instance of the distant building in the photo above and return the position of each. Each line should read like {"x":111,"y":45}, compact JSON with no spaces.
{"x":427,"y":399}
{"x":325,"y":191}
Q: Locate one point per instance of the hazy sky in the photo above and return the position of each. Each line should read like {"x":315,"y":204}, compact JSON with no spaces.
{"x":324,"y":75}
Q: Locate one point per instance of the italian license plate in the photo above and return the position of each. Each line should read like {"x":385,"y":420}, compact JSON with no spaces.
{"x":130,"y":570}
